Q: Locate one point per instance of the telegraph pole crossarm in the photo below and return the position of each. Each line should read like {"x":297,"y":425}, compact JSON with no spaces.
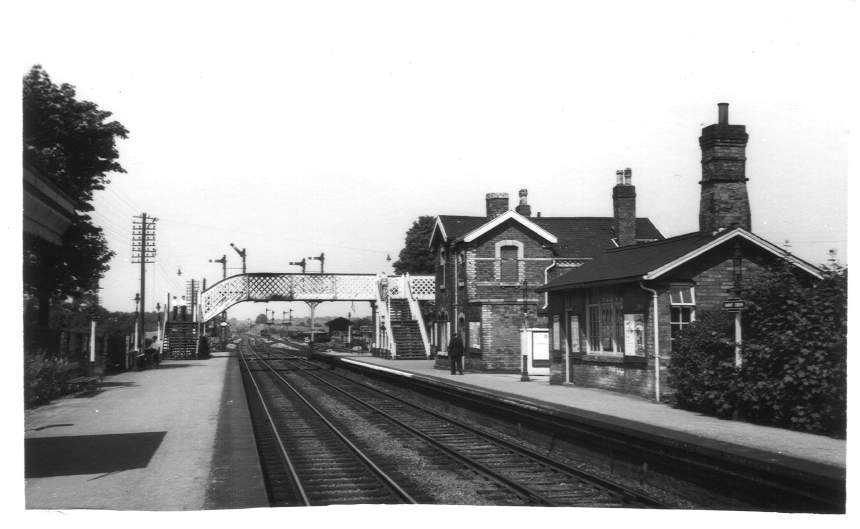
{"x":143,"y":252}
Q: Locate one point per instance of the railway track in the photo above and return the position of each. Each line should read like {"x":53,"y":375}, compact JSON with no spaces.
{"x":306,"y":458}
{"x":507,"y":473}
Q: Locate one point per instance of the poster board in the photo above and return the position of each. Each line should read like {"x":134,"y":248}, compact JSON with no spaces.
{"x":540,"y":345}
{"x":573,"y":325}
{"x":634,"y":334}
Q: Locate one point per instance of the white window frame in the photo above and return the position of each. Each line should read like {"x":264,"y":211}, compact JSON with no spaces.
{"x":497,"y":272}
{"x":681,"y":304}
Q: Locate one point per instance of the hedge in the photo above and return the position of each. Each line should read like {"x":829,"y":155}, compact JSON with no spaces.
{"x":794,"y":369}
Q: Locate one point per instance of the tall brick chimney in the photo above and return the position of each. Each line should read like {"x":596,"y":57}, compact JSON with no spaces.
{"x":624,"y":208}
{"x":497,"y":204}
{"x":523,"y":208}
{"x":724,"y":203}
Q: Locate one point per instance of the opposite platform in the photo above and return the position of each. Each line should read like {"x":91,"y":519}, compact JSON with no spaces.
{"x":177,"y":437}
{"x":746,"y":439}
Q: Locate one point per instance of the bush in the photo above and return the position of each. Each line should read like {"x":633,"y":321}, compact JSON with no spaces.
{"x":702,"y":369}
{"x":44,"y":377}
{"x":794,"y":370}
{"x":795,"y":365}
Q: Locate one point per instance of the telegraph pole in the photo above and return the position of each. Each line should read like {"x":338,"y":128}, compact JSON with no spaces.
{"x":143,"y":252}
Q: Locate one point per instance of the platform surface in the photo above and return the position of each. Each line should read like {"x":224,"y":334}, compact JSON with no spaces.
{"x":817,"y":449}
{"x":145,"y":440}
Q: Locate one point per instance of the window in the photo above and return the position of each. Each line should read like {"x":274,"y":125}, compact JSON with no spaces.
{"x":442,"y":262}
{"x":508,"y":256}
{"x":509,"y":265}
{"x":605,"y":322}
{"x":682,"y":301}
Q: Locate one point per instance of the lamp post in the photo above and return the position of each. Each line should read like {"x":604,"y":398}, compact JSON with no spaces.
{"x":158,"y":321}
{"x":524,"y":344}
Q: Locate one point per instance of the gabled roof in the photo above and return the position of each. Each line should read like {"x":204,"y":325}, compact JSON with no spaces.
{"x":576,"y":237}
{"x":513,"y":216}
{"x":653,"y":260}
{"x":451,"y":227}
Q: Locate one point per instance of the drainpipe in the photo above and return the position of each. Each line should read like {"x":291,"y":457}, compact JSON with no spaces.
{"x":545,"y":281}
{"x":656,"y":325}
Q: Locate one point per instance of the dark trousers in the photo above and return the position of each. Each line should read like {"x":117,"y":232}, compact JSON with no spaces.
{"x":456,"y":364}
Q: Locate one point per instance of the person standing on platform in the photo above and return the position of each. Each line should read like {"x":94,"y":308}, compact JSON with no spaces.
{"x":455,"y":354}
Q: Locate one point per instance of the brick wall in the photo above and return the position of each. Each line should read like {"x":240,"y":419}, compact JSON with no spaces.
{"x":711,"y":274}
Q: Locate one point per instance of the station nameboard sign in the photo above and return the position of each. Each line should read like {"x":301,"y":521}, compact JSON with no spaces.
{"x":734,"y":305}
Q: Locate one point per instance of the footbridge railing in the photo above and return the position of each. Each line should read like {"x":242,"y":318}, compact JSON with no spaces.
{"x":265,"y":287}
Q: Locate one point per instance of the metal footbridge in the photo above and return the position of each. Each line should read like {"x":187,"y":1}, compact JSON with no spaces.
{"x":377,"y":289}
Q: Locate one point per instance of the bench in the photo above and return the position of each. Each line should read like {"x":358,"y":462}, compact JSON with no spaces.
{"x":77,"y":383}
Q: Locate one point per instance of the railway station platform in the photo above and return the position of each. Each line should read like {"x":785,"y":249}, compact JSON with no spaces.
{"x":176,"y":437}
{"x":769,"y":446}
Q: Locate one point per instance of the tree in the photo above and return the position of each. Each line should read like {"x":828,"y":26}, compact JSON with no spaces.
{"x":416,"y":256}
{"x":261,"y":318}
{"x":71,"y":143}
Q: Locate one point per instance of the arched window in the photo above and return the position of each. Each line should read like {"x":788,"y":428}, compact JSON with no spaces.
{"x":508,"y":267}
{"x":509,"y":255}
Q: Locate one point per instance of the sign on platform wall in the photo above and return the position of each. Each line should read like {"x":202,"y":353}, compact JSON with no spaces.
{"x":634,"y":334}
{"x":556,"y":333}
{"x":540,"y":345}
{"x":734,"y":305}
{"x":475,"y":334}
{"x":574,"y":333}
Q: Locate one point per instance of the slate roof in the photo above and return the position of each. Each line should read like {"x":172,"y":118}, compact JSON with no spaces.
{"x":630,"y":262}
{"x":651,"y":260}
{"x":578,"y":237}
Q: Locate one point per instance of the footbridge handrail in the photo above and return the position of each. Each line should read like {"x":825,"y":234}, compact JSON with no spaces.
{"x":266,"y":286}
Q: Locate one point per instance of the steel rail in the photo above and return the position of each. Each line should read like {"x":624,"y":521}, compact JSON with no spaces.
{"x":483,"y":469}
{"x":289,"y":463}
{"x":595,"y":481}
{"x":390,"y":483}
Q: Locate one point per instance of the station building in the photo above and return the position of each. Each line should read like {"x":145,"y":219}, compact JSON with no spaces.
{"x":488,"y":267}
{"x":613,"y":319}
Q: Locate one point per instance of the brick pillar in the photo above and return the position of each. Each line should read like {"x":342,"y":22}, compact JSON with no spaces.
{"x":724,"y":200}
{"x":624,"y":208}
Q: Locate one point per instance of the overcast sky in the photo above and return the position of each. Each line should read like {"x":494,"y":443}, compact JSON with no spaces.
{"x":330,"y":127}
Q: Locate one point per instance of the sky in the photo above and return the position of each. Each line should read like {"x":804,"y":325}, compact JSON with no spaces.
{"x":293,"y":129}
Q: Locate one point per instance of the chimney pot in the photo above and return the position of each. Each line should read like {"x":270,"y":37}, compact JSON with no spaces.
{"x":723,"y":113}
{"x":619,"y":177}
{"x":523,"y":208}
